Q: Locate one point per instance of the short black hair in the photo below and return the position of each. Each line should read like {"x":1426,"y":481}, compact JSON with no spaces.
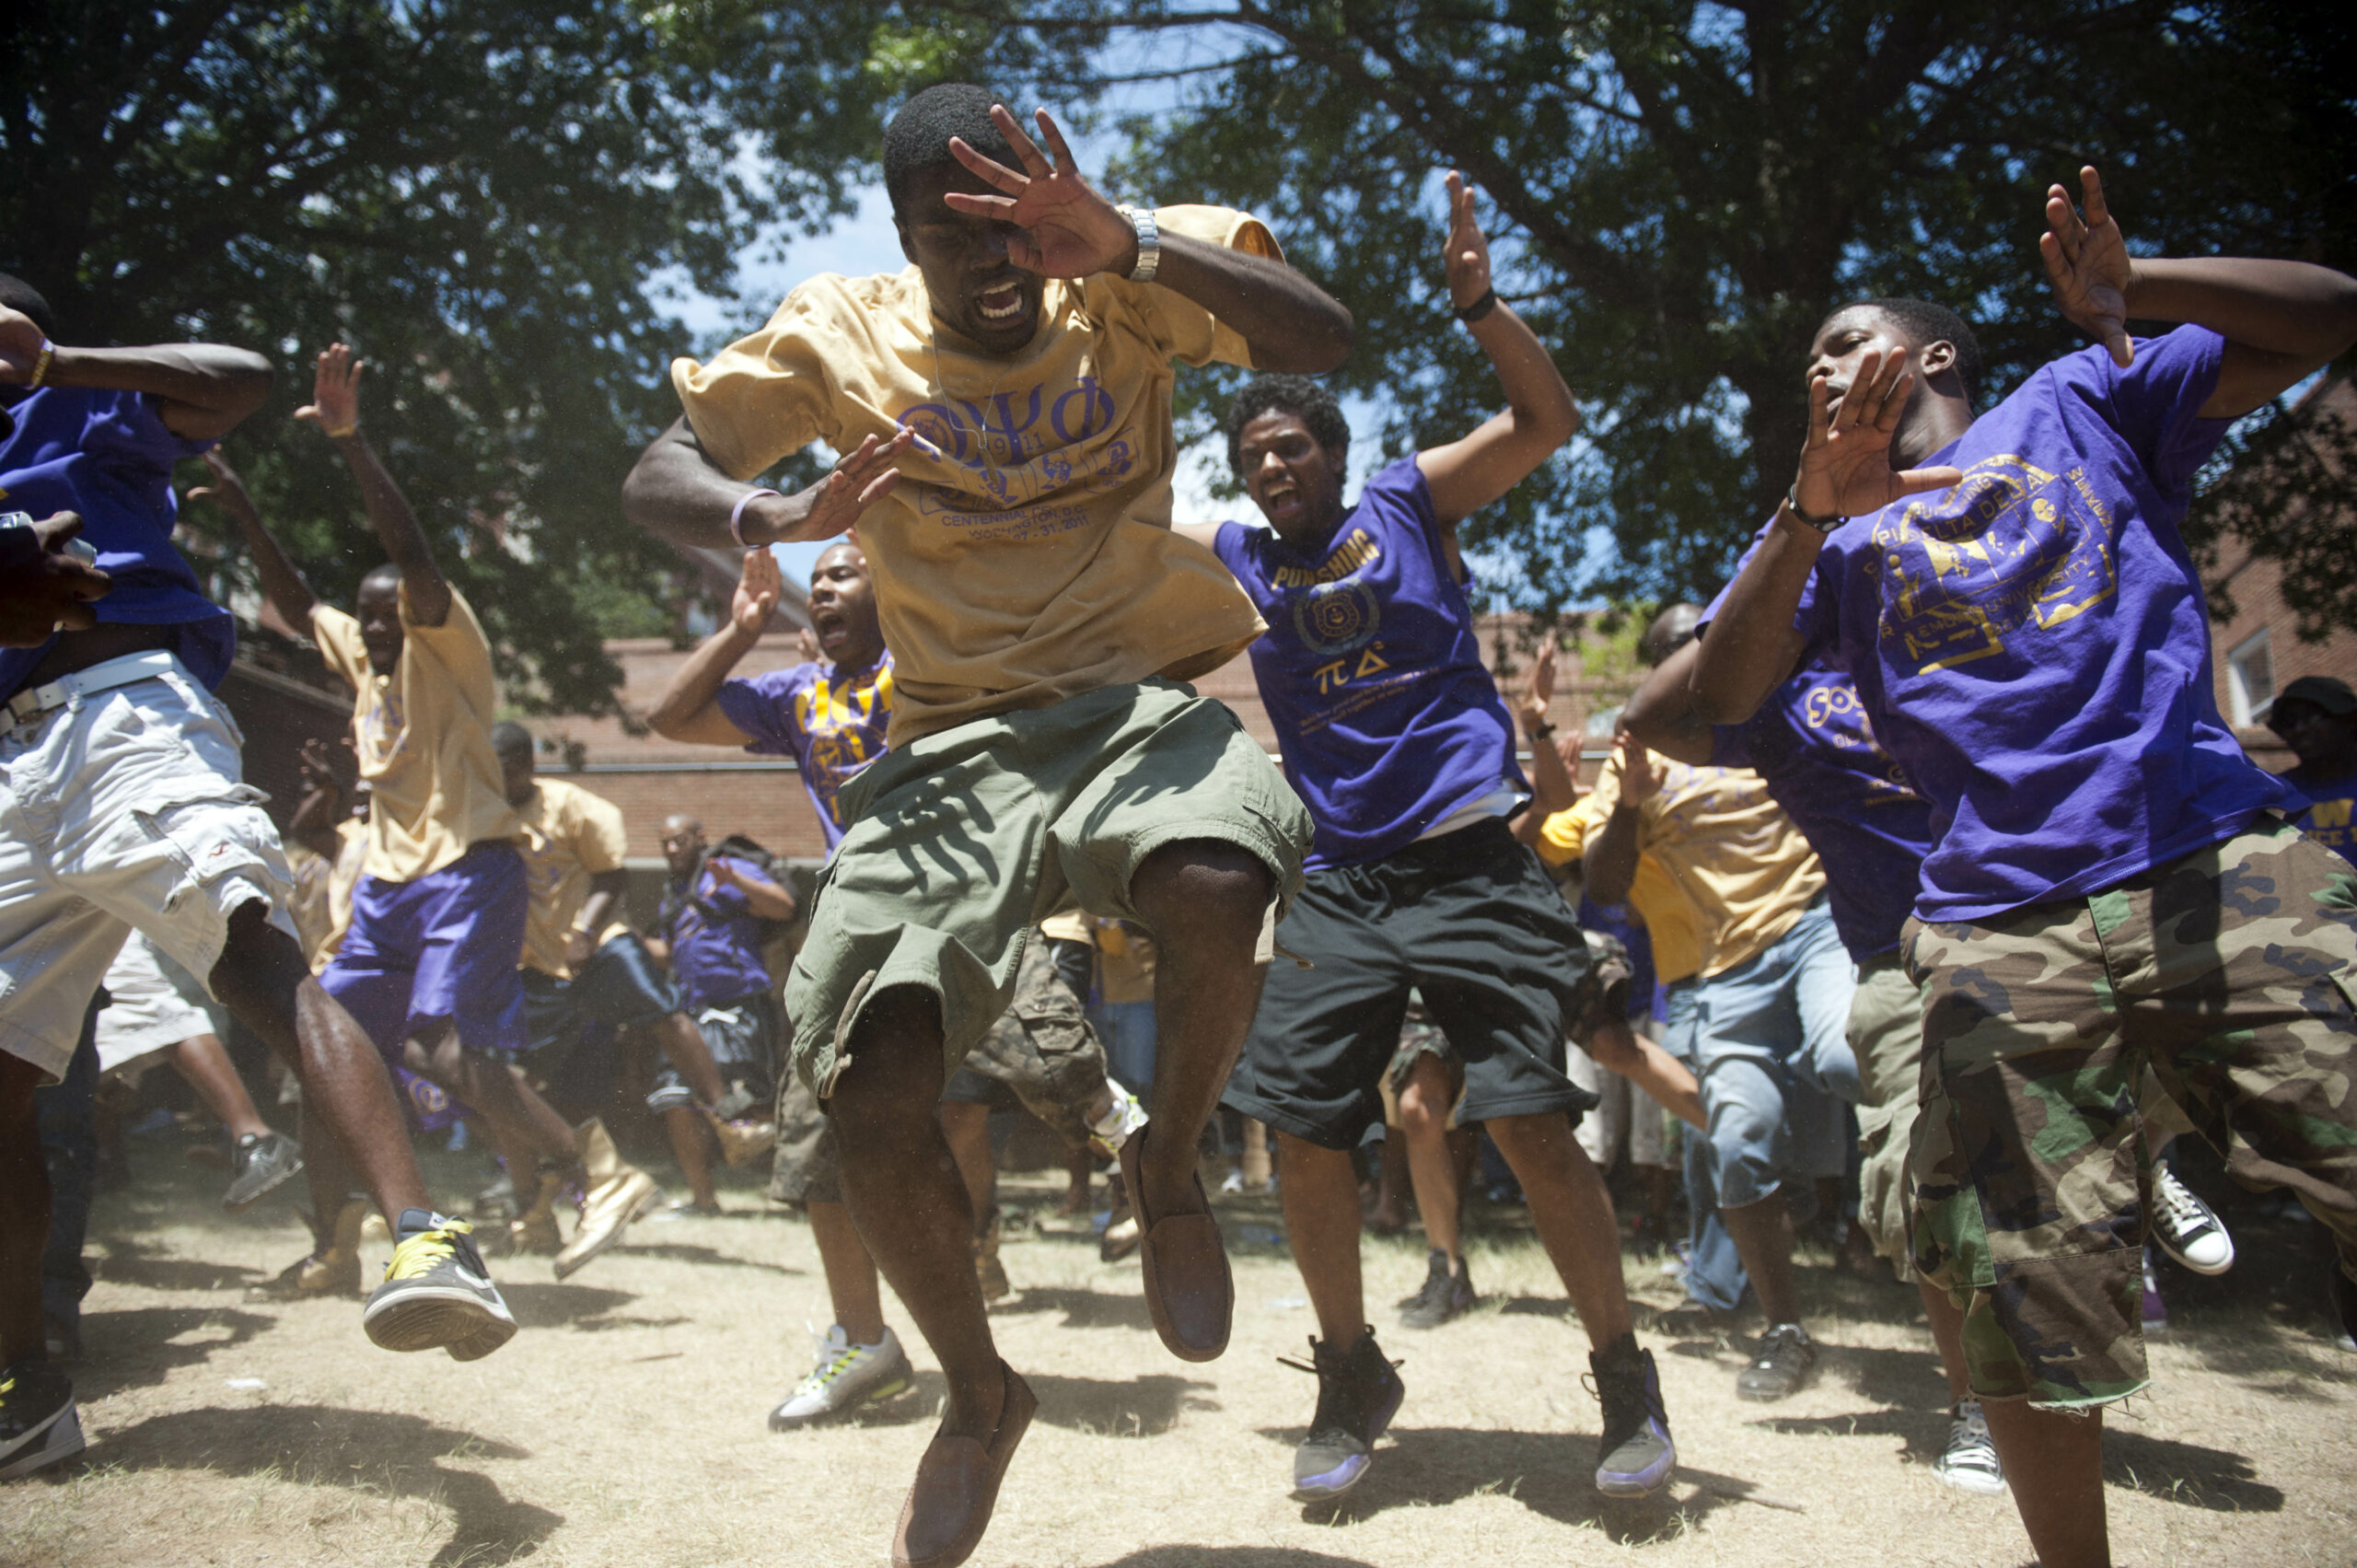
{"x":507,"y":737}
{"x":19,"y":295}
{"x":1928,"y":323}
{"x":1307,"y":400}
{"x":917,"y":141}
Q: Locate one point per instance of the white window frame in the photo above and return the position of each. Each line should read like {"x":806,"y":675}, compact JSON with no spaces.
{"x":2250,"y":707}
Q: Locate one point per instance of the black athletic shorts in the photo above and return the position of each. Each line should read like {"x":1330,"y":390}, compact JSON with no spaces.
{"x":744,"y":1038}
{"x":619,"y":988}
{"x":1471,"y":921}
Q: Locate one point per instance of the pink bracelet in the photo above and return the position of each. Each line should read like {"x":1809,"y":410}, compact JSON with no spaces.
{"x":736,"y":516}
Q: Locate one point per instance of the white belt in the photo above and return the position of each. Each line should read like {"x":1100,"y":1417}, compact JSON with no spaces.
{"x":33,"y":704}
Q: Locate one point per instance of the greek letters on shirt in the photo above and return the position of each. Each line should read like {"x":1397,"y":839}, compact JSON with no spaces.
{"x":380,"y":729}
{"x":839,"y":720}
{"x":2010,"y":547}
{"x":1836,"y":718}
{"x":1002,"y":443}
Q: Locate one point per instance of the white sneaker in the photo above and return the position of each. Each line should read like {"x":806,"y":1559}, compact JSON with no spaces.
{"x":1970,"y":1462}
{"x":847,"y":1377}
{"x":2189,"y":1229}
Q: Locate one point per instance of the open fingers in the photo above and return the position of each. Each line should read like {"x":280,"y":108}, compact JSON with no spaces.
{"x":1911,"y":481}
{"x":988,"y":170}
{"x":2091,"y":198}
{"x":1820,"y":395}
{"x":1057,"y":145}
{"x":1027,"y":152}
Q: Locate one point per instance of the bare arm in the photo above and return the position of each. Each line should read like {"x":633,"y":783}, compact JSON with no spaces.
{"x":1553,"y":788}
{"x":46,"y":590}
{"x":335,"y":409}
{"x":2281,"y":320}
{"x":202,"y":391}
{"x":1610,"y":862}
{"x":678,"y":490}
{"x":606,"y":890}
{"x":1071,"y":231}
{"x":764,"y":896}
{"x":287,"y":598}
{"x":688,"y":708}
{"x":316,"y":815}
{"x":1468,"y":474}
{"x":1661,"y":716}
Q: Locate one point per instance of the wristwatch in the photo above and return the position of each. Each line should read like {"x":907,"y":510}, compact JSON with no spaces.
{"x":1149,"y":241}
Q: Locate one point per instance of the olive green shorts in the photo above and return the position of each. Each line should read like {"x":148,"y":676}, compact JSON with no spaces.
{"x":962,"y":843}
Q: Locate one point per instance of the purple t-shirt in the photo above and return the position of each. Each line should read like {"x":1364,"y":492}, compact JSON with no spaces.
{"x":715,"y":938}
{"x":831,"y":725}
{"x":1371,"y":674}
{"x":1810,"y":742}
{"x":108,"y":456}
{"x":2326,"y":817}
{"x":2032,"y":644}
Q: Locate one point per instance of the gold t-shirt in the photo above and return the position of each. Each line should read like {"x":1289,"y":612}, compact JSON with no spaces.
{"x":570,"y":836}
{"x":1033,"y":560}
{"x":1670,"y":920}
{"x":423,"y":736}
{"x":322,"y":907}
{"x":1744,"y":868}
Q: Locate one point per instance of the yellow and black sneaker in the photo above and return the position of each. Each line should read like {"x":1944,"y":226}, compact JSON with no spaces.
{"x":437,"y":1295}
{"x":38,"y":1425}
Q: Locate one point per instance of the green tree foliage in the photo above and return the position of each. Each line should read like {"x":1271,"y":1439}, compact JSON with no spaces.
{"x":488,"y":198}
{"x":1691,"y":187}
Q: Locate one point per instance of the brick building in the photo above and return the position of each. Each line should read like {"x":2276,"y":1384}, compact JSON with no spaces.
{"x":2259,"y":650}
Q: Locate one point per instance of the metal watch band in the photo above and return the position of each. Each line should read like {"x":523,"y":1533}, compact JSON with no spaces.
{"x":1149,"y":242}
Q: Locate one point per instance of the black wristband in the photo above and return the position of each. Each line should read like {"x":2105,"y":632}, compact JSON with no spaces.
{"x":1793,"y":504}
{"x":19,"y":546}
{"x":1480,"y":307}
{"x":1542,"y":732}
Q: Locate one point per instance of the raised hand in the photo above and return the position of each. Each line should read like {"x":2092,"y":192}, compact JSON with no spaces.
{"x":1069,"y":230}
{"x":1845,"y":465}
{"x":806,"y":645}
{"x":317,"y":770}
{"x":335,"y":391}
{"x":759,"y":584}
{"x":1639,"y":776}
{"x":52,"y":592}
{"x":1466,"y":256}
{"x":857,"y":481}
{"x":227,"y":491}
{"x":20,"y":343}
{"x":2087,"y":260}
{"x":1531,"y":706}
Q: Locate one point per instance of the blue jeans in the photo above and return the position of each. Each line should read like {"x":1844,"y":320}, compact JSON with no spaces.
{"x":1126,"y":1030}
{"x":1772,"y":1053}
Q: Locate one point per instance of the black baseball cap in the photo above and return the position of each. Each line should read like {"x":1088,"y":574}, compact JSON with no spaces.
{"x":2333,"y":696}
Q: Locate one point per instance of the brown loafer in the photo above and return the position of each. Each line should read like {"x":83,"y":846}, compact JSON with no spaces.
{"x":957,"y":1487}
{"x":1188,"y":1293}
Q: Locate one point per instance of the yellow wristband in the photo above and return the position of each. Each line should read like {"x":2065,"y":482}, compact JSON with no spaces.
{"x":339,"y":433}
{"x":41,"y":366}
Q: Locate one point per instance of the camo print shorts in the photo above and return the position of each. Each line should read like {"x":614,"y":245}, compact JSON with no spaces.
{"x":2227,"y":975}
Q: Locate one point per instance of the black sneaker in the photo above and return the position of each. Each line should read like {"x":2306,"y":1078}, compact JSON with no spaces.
{"x":436,"y":1294}
{"x":1636,"y":1456}
{"x":39,"y":1424}
{"x":1782,"y":1363}
{"x":1358,"y":1393}
{"x":1444,"y":1294}
{"x":260,"y":1163}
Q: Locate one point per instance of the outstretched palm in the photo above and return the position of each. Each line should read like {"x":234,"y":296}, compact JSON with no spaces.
{"x":1845,"y":466}
{"x":1467,"y":256}
{"x":335,"y":390}
{"x":2087,"y":260}
{"x":1069,"y":231}
{"x":759,"y":585}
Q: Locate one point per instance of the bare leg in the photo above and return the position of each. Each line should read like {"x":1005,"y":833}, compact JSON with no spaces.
{"x":1947,"y":1331}
{"x":688,"y":1135}
{"x":906,"y":1196}
{"x":203,"y":1061}
{"x":1321,"y":1198}
{"x":852,"y":1286}
{"x":1432,"y":1165}
{"x":2054,"y":1462}
{"x":1573,"y":1215}
{"x":1762,"y":1233}
{"x":261,"y":979}
{"x":1390,"y":1216}
{"x":968,"y":1129}
{"x":24,"y":1212}
{"x":1255,"y":1159}
{"x":1618,"y":1049}
{"x":1079,"y":1165}
{"x":520,"y":1120}
{"x":682,"y":1042}
{"x":1204,"y":901}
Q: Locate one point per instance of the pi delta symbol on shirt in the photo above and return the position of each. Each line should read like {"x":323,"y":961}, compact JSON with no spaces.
{"x":2011,"y":545}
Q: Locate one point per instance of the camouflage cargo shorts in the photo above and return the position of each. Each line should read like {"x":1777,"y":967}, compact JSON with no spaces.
{"x":2227,"y":975}
{"x":1042,"y":1049}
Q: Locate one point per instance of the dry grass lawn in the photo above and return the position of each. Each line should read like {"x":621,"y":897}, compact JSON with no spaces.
{"x":625,"y":1425}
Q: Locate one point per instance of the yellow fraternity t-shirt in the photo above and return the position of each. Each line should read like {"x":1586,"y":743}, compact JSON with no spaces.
{"x":1748,"y":871}
{"x":1670,"y":920}
{"x":424,"y":736}
{"x":1033,"y":560}
{"x":570,"y":836}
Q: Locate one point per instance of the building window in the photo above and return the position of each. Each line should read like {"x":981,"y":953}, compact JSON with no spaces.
{"x":2250,"y":681}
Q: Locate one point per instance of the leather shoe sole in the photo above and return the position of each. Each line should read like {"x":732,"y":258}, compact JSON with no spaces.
{"x":1188,"y":1293}
{"x":957,"y":1487}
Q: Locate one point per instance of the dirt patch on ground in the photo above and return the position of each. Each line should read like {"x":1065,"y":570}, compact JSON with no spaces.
{"x":625,"y":1425}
